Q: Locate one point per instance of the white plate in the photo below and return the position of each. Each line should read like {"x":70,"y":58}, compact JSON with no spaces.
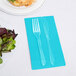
{"x":8,"y":8}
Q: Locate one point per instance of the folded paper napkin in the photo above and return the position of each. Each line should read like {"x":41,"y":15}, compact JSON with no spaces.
{"x":44,"y":45}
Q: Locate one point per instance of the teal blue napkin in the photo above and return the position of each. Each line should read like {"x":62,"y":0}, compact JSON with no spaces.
{"x":47,"y":27}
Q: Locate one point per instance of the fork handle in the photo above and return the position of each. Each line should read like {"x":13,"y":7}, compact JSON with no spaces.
{"x":43,"y":61}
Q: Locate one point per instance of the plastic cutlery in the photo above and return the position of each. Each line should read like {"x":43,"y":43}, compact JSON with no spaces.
{"x":37,"y":33}
{"x":46,"y":30}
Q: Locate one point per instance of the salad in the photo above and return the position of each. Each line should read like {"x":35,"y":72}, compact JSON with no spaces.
{"x":7,"y":41}
{"x":21,"y":2}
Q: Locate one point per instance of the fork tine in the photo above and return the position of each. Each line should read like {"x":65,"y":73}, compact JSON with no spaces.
{"x":35,"y":25}
{"x":38,"y":27}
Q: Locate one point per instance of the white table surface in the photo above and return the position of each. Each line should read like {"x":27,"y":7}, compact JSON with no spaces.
{"x":64,"y":12}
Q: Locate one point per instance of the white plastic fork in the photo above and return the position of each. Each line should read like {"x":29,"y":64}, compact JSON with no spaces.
{"x":37,"y":33}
